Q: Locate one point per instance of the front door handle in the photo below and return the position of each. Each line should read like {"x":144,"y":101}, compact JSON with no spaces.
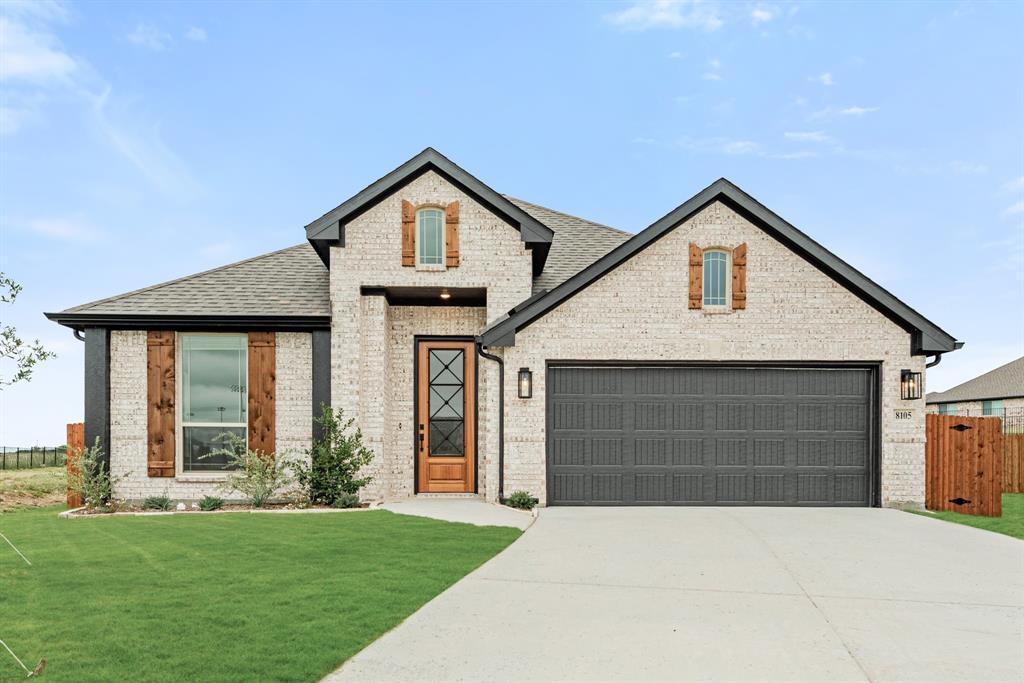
{"x":421,"y":438}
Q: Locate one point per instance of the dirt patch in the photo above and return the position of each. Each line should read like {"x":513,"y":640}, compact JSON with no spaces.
{"x":39,"y":487}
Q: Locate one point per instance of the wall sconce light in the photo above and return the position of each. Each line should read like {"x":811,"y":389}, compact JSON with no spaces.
{"x":445,"y":294}
{"x":525,"y":383}
{"x":910,"y":385}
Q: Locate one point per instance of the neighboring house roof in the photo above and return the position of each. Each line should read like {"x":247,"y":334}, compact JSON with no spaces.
{"x":577,"y":243}
{"x":926,"y":337}
{"x":284,"y":285}
{"x":293,"y":282}
{"x":1006,"y":381}
{"x":330,"y":228}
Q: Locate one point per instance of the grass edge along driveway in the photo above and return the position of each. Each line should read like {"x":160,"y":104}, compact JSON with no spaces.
{"x":1011,"y":523}
{"x":229,"y":597}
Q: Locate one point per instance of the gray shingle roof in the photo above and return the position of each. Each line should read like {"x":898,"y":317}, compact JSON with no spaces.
{"x":577,"y":243}
{"x":289,"y":282}
{"x":294,"y":281}
{"x":1004,"y":382}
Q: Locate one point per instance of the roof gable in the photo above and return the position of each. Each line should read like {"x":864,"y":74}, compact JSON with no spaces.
{"x":330,"y":228}
{"x":927,"y":338}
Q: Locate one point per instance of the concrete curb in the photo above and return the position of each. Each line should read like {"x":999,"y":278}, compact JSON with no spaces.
{"x":70,"y":514}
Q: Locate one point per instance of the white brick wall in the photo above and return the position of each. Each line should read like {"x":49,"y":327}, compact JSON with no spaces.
{"x":639,"y":312}
{"x":128,"y":415}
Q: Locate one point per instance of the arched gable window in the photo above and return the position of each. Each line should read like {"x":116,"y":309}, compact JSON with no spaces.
{"x":716,"y":277}
{"x":430,"y":236}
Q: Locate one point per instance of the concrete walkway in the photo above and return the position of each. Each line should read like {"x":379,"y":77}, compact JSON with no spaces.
{"x":716,"y":594}
{"x":466,"y":510}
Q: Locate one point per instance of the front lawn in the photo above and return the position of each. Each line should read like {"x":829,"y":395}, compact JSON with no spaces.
{"x":1011,"y":523}
{"x":228,"y":597}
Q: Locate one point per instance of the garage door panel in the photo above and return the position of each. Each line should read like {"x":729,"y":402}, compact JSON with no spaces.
{"x":666,"y":436}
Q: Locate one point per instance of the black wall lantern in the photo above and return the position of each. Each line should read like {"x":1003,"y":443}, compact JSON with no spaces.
{"x":910,"y":385}
{"x":525,"y":383}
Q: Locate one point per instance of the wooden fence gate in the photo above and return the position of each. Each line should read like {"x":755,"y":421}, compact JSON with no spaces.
{"x":1013,"y":463}
{"x":76,"y":444}
{"x":964,"y":464}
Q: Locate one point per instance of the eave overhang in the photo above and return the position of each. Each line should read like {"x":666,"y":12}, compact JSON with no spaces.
{"x":194,"y":323}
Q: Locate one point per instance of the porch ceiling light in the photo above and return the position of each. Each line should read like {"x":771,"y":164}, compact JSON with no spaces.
{"x":525,"y":383}
{"x":445,"y":294}
{"x":910,"y":385}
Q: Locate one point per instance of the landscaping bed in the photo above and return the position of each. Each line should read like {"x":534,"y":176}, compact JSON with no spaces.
{"x":224,"y":597}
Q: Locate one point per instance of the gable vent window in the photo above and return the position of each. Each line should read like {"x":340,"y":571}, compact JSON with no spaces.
{"x":430,"y":237}
{"x":716,"y":278}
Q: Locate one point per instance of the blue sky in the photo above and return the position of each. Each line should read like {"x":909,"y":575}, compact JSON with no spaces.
{"x":144,"y":142}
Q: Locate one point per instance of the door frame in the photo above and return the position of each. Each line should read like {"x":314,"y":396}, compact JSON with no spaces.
{"x":416,"y":339}
{"x":874,"y":408}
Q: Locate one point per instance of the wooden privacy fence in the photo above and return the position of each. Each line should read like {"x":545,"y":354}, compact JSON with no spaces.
{"x":1013,"y":463}
{"x":964,"y":464}
{"x":76,"y":444}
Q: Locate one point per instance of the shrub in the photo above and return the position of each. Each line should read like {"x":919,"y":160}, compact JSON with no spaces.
{"x":91,"y":480}
{"x":157,"y":503}
{"x":254,"y":474}
{"x":335,"y":460}
{"x":346,"y":500}
{"x":211,"y":503}
{"x":521,"y":500}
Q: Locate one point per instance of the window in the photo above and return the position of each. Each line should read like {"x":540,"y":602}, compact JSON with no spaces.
{"x":947,"y":409}
{"x":716,"y":280}
{"x":213,"y":397}
{"x":430,"y":237}
{"x":992,"y":408}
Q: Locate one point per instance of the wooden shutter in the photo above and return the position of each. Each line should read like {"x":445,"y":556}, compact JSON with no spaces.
{"x":696,"y":276}
{"x":451,"y":235}
{"x":262,"y":391}
{"x":160,"y":401}
{"x":739,"y":277}
{"x":408,"y":234}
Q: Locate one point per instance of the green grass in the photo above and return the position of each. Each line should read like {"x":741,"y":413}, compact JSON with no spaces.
{"x":1011,"y":523}
{"x":229,"y":597}
{"x":35,"y":487}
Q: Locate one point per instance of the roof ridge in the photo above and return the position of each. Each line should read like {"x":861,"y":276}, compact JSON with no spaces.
{"x":567,"y":215}
{"x":81,"y":308}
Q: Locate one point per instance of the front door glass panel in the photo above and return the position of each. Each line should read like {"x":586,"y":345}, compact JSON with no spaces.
{"x":447,"y":410}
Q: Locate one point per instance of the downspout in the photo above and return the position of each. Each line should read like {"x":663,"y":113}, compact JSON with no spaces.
{"x":78,"y":334}
{"x":501,"y":417}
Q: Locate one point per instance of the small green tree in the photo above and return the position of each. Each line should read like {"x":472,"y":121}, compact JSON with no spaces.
{"x":335,"y":460}
{"x":254,"y":474}
{"x":13,"y":349}
{"x":91,"y":479}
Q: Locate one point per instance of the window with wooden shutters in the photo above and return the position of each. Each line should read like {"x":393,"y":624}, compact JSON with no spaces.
{"x":160,"y":400}
{"x":430,"y":237}
{"x":262,"y":395}
{"x":214,"y":398}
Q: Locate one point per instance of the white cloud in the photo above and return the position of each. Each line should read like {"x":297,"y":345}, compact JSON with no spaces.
{"x":643,"y":141}
{"x":719,"y":145}
{"x":857,"y":111}
{"x":1015,"y":185}
{"x":195,"y":34}
{"x":824,"y":79}
{"x":647,"y":14}
{"x":805,"y":154}
{"x":762,"y":15}
{"x":741,"y":147}
{"x":32,"y":56}
{"x":714,"y":72}
{"x":967,"y":167}
{"x":65,"y":229}
{"x":149,"y":36}
{"x":1014,"y":209}
{"x":11,"y":119}
{"x":808,"y":136}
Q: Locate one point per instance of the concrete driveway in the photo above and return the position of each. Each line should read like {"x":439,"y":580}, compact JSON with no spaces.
{"x":723,"y":594}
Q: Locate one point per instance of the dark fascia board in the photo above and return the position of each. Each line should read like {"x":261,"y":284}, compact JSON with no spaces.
{"x":330,"y":228}
{"x":926,"y":337}
{"x":197,"y":323}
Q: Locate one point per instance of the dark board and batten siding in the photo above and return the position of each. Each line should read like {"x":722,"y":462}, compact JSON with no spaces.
{"x":710,"y":435}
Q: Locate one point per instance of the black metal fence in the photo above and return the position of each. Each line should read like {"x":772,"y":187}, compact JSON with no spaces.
{"x":25,"y":457}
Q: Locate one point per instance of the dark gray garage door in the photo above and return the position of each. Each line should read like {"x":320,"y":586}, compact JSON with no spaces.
{"x":709,"y":436}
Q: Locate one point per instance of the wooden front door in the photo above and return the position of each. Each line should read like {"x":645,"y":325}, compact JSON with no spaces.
{"x":446,"y":416}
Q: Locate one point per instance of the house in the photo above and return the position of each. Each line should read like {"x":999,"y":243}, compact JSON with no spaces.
{"x":998,"y":392}
{"x":485,"y":345}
